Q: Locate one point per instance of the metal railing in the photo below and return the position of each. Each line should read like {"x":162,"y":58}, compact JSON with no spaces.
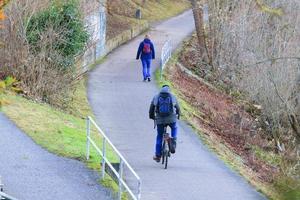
{"x":166,"y":54}
{"x":4,"y":196}
{"x":105,"y":162}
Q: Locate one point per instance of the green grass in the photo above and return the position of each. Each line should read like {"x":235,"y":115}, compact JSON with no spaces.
{"x":288,"y":188}
{"x":268,"y":156}
{"x":152,"y":11}
{"x":110,"y":183}
{"x":163,"y":9}
{"x":58,"y":132}
{"x":97,"y":62}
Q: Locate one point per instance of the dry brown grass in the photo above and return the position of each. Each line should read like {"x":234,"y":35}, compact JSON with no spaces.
{"x":121,"y":14}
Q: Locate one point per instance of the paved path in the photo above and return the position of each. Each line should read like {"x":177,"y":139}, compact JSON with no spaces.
{"x":31,"y":173}
{"x":120,"y":101}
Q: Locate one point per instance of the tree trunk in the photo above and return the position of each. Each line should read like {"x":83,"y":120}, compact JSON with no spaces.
{"x":199,"y":24}
{"x":295,"y":126}
{"x":295,"y":116}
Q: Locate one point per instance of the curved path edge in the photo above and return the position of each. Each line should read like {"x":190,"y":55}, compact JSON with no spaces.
{"x":30,"y":172}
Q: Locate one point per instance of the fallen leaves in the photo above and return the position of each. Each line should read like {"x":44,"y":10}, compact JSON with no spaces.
{"x":3,"y":3}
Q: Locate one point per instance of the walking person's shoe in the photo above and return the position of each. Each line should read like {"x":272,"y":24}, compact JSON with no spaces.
{"x":156,"y":158}
{"x":145,"y":79}
{"x":149,"y":79}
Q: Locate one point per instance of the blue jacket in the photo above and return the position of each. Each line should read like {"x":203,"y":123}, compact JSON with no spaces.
{"x":164,"y":120}
{"x":145,"y":56}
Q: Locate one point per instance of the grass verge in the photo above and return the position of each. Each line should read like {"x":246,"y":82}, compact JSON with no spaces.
{"x":154,"y":10}
{"x":61,"y":133}
{"x":122,"y":17}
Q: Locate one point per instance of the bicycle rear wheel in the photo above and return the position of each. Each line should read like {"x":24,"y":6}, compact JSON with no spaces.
{"x":166,"y":159}
{"x":163,"y":153}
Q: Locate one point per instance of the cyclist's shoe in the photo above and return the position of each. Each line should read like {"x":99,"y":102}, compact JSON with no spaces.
{"x":173,"y":145}
{"x":156,"y":158}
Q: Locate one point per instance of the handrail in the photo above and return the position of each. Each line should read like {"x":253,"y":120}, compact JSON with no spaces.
{"x":105,"y":160}
{"x":3,"y":195}
{"x":6,"y":196}
{"x":166,"y":53}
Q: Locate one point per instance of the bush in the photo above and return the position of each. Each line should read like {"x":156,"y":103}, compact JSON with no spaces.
{"x":254,"y":49}
{"x":42,"y":42}
{"x":64,"y":20}
{"x":7,"y":84}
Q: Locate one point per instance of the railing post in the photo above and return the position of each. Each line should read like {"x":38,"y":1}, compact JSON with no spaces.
{"x":1,"y":186}
{"x":103,"y":156}
{"x":88,"y":133}
{"x":170,"y":49}
{"x":139,"y":190}
{"x":120,"y":178}
{"x":161,"y":68}
{"x":119,"y":173}
{"x":166,"y":54}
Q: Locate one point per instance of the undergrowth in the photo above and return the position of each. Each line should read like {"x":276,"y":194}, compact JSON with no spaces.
{"x":215,"y":144}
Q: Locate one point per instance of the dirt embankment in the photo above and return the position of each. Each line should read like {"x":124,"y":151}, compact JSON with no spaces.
{"x":219,"y":116}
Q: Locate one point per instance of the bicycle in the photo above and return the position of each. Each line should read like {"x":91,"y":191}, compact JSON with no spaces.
{"x":165,"y":152}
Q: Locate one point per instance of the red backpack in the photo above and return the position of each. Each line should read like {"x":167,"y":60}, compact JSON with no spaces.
{"x":146,"y":48}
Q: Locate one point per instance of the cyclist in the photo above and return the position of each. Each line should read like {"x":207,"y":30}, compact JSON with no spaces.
{"x":146,"y":52}
{"x":165,"y":110}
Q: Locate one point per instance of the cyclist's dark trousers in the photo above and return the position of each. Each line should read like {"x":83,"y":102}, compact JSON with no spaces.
{"x":159,"y":137}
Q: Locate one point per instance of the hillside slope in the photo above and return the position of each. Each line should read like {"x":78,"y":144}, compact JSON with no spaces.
{"x":229,"y":123}
{"x":121,"y":14}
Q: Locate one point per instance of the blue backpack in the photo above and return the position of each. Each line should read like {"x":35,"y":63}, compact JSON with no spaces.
{"x":164,"y":105}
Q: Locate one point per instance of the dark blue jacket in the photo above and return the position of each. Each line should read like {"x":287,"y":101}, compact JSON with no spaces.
{"x":153,"y":109}
{"x":145,"y":56}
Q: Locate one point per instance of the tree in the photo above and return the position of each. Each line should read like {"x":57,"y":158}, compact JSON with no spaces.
{"x":254,"y":48}
{"x":197,"y":7}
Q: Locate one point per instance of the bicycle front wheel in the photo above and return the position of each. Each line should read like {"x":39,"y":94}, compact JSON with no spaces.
{"x":163,"y":153}
{"x":166,"y":160}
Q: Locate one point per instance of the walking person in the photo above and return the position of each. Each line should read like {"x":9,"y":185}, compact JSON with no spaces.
{"x":165,"y":110}
{"x":146,"y":53}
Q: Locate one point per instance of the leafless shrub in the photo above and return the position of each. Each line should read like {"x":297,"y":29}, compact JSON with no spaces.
{"x":255,"y":47}
{"x":40,"y":75}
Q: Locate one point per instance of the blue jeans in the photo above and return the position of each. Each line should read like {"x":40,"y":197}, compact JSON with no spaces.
{"x":159,"y":137}
{"x":146,"y":68}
